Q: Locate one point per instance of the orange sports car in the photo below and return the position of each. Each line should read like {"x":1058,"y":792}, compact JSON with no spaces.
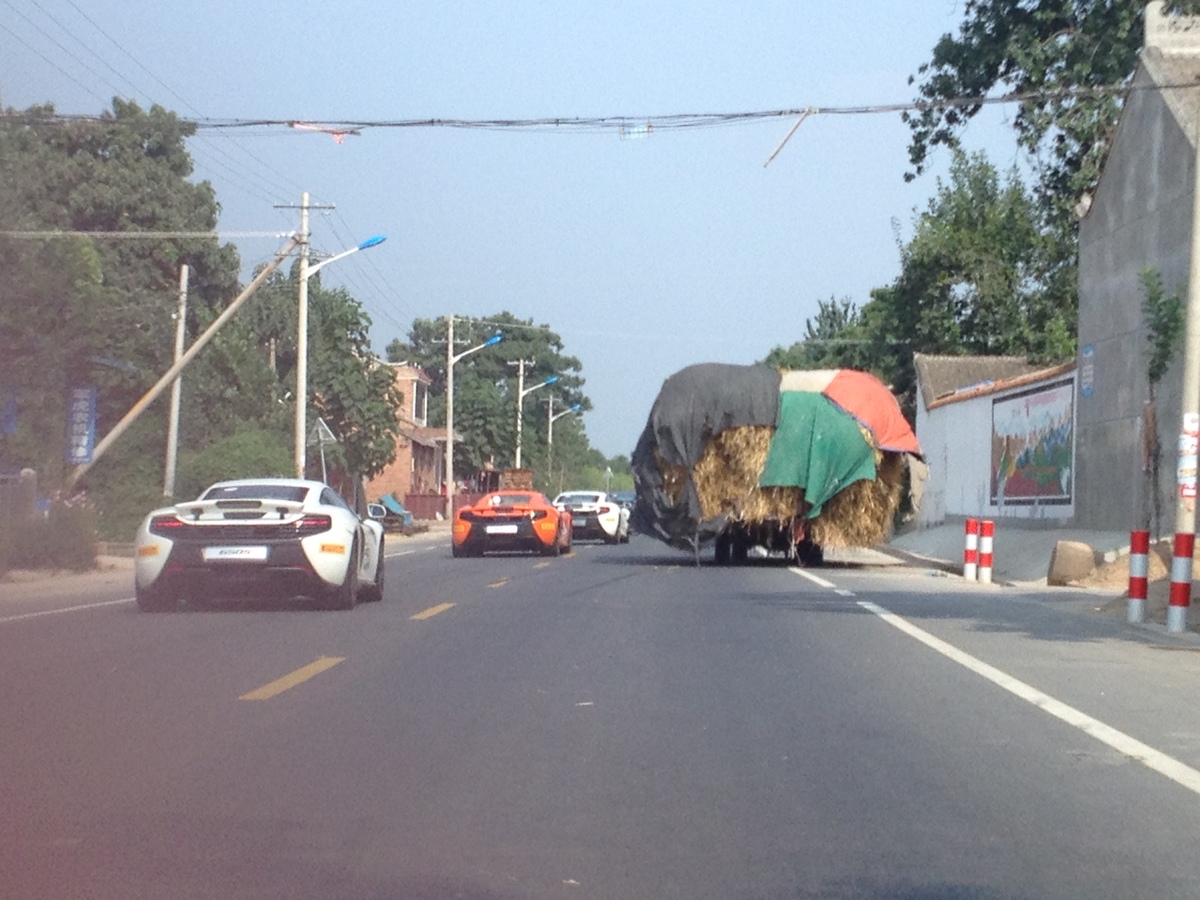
{"x":511,"y":520}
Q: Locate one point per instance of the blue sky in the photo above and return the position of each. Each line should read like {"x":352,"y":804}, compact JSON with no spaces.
{"x":644,"y":255}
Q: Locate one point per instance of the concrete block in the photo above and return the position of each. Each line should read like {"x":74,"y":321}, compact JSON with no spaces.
{"x":1071,"y":561}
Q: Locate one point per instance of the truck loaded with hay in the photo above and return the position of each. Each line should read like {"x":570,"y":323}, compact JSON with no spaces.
{"x":793,"y":461}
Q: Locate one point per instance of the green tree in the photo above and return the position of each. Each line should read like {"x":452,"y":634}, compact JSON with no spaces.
{"x":977,"y":277}
{"x":833,"y":339}
{"x":1164,"y":336}
{"x":1065,"y":57}
{"x":97,"y":311}
{"x":355,"y":395}
{"x":485,"y":385}
{"x":347,"y":387}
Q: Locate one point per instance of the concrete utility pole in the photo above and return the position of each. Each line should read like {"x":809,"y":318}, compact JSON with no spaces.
{"x":1189,"y":429}
{"x":522,"y":391}
{"x":159,"y":386}
{"x":520,"y":364}
{"x":451,"y":359}
{"x":298,"y":439}
{"x":449,"y":418}
{"x":176,"y":387}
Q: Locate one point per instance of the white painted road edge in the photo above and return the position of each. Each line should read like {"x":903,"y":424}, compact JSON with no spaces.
{"x":65,"y":609}
{"x":1155,"y":760}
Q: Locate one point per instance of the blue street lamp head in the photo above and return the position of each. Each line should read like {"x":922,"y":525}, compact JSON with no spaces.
{"x":372,"y":241}
{"x":551,"y":379}
{"x":576,"y":407}
{"x":494,"y":339}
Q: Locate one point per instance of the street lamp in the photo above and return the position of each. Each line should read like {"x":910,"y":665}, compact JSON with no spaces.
{"x":451,"y":359}
{"x":306,"y":272}
{"x":522,"y":391}
{"x":552,"y":417}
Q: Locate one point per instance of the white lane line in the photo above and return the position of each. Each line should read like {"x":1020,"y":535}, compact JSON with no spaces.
{"x":1155,"y":760}
{"x":65,"y":609}
{"x":815,"y":579}
{"x":411,"y":552}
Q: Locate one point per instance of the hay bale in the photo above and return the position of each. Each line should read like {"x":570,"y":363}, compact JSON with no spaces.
{"x":726,"y":474}
{"x":726,"y":480}
{"x":860,"y":515}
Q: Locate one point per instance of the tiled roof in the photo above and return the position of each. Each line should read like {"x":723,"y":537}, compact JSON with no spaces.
{"x":945,"y":379}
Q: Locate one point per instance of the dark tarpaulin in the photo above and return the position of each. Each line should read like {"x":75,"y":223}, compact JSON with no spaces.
{"x":694,"y":404}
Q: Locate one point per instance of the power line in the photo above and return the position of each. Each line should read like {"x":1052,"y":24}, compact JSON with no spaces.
{"x":652,"y":123}
{"x":143,"y":235}
{"x":272,"y":180}
{"x":51,"y":63}
{"x":705,"y":120}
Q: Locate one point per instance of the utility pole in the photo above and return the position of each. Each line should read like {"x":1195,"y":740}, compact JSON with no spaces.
{"x":521,"y":392}
{"x":299,"y":439}
{"x":520,"y":364}
{"x":176,"y":387}
{"x":1189,"y":429}
{"x":298,"y":445}
{"x":449,"y":418}
{"x":451,"y":359}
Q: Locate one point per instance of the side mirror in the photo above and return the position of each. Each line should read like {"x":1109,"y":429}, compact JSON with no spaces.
{"x":376,"y":511}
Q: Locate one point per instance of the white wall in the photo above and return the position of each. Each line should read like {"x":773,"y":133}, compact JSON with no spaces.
{"x":957,"y":441}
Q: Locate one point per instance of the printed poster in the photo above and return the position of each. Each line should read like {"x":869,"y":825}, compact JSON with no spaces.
{"x":1033,"y":446}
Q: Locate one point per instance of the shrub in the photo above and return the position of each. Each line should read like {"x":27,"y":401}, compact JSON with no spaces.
{"x":64,"y":538}
{"x":248,"y":454}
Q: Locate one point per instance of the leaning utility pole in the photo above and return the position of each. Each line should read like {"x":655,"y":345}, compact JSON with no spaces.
{"x":201,"y":342}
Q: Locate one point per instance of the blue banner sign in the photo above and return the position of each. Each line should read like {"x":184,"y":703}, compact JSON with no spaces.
{"x":81,"y":425}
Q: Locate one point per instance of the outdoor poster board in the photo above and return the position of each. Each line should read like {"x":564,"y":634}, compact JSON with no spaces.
{"x":1033,"y":446}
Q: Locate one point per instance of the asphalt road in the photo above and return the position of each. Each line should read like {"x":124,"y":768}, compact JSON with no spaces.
{"x":613,"y":724}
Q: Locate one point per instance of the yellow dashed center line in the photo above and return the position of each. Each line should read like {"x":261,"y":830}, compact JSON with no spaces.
{"x":431,"y":612}
{"x":279,"y":685}
{"x":541,"y":565}
{"x":501,"y":583}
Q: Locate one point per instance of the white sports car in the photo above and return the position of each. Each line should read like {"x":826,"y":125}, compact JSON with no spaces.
{"x":279,"y":537}
{"x":595,"y":514}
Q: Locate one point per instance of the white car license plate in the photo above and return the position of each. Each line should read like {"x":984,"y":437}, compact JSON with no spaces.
{"x":502,"y":529}
{"x":235,"y":554}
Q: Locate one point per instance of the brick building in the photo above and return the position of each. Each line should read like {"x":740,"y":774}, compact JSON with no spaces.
{"x":419,"y":449}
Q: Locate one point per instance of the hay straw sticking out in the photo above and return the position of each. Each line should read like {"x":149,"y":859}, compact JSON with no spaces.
{"x":726,"y":477}
{"x":860,"y":515}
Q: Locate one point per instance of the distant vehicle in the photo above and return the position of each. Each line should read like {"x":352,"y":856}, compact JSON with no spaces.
{"x":281,"y":537}
{"x":595,"y":514}
{"x":625,"y":498}
{"x":511,"y":520}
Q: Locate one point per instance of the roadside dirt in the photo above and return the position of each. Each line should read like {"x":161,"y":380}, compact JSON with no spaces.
{"x":1114,"y":576}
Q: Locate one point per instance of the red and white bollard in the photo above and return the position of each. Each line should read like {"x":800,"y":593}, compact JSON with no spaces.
{"x":971,"y":551}
{"x":1139,"y":576}
{"x":987,"y":531}
{"x":1181,"y":582}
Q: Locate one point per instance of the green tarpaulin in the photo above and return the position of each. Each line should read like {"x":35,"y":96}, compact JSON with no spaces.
{"x":816,"y":447}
